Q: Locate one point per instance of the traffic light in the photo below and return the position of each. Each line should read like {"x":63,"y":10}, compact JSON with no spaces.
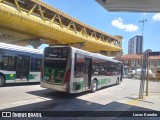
{"x":154,"y":53}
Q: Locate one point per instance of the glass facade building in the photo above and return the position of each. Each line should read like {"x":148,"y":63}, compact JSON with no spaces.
{"x":135,"y":45}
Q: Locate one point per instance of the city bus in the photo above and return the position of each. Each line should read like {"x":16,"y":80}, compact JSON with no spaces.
{"x":19,"y":64}
{"x":72,"y":70}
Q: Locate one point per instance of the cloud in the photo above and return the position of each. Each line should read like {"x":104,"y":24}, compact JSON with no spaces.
{"x":156,"y":17}
{"x":127,"y":27}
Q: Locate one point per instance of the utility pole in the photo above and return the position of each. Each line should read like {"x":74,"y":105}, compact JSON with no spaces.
{"x":147,"y":75}
{"x":144,"y":65}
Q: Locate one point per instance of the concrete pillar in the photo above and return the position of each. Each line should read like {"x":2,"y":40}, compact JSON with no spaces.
{"x":36,"y":43}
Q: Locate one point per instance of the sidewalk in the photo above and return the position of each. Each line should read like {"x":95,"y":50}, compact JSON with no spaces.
{"x":152,"y":101}
{"x":130,"y":103}
{"x":133,"y":103}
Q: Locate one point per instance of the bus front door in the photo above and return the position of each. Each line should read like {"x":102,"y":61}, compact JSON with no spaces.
{"x":87,"y":73}
{"x":22,"y":68}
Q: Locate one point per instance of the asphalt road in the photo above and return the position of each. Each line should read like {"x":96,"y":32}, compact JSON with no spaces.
{"x":33,"y":97}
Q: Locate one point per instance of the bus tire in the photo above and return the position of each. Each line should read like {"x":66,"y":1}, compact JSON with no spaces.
{"x":2,"y":81}
{"x":94,"y":86}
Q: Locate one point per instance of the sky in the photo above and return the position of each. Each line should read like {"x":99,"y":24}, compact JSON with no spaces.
{"x":125,"y":24}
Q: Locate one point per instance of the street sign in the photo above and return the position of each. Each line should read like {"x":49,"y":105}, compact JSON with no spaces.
{"x":154,"y":53}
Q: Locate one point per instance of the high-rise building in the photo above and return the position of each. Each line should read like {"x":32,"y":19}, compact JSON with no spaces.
{"x":135,"y":45}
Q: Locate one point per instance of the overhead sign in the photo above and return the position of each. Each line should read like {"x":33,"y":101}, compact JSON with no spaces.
{"x":154,"y":53}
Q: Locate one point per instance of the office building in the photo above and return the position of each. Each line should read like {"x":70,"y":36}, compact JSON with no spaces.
{"x":135,"y":45}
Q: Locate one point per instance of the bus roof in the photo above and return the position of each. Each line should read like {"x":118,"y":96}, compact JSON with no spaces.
{"x":98,"y":55}
{"x":20,"y":48}
{"x":107,"y":58}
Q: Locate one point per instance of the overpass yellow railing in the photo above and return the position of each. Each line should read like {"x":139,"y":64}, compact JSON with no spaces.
{"x":35,"y":18}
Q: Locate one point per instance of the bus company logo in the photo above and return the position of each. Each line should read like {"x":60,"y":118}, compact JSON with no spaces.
{"x":6,"y":114}
{"x":11,"y":75}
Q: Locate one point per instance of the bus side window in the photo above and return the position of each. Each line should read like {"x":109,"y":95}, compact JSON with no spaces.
{"x":8,"y":62}
{"x":5,"y":61}
{"x":79,"y":65}
{"x":11,"y":63}
{"x":36,"y":64}
{"x":1,"y":63}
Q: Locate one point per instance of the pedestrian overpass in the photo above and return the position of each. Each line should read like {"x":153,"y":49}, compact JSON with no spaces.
{"x":25,"y":22}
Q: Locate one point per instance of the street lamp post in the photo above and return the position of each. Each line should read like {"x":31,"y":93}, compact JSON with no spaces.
{"x":144,"y":65}
{"x":143,"y":72}
{"x":142,"y":21}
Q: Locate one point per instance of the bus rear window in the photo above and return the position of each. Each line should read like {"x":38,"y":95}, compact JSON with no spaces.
{"x":56,"y":57}
{"x":56,"y":52}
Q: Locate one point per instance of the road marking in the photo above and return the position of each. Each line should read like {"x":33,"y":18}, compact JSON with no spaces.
{"x":24,"y":102}
{"x":21,"y":102}
{"x":32,"y":99}
{"x":134,"y":101}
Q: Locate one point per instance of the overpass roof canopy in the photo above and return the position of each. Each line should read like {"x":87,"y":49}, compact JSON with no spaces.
{"x":131,"y":5}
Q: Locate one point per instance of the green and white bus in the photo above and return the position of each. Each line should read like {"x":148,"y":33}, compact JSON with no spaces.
{"x":19,"y":64}
{"x":72,"y":70}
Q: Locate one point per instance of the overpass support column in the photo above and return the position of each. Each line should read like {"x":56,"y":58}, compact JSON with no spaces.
{"x":36,"y":43}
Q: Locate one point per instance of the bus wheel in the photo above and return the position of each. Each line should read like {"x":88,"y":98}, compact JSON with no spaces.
{"x":2,"y":81}
{"x":94,"y":86}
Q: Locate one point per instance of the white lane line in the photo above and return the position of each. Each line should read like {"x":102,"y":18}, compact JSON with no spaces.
{"x":27,"y":101}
